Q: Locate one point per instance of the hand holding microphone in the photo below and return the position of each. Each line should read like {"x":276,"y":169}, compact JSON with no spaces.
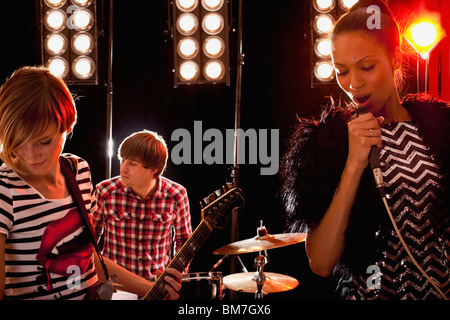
{"x":374,"y":157}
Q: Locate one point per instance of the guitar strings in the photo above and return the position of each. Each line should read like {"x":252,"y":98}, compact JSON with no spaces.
{"x":199,"y":231}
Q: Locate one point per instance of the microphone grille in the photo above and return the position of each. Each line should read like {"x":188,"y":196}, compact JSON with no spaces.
{"x":361,"y":110}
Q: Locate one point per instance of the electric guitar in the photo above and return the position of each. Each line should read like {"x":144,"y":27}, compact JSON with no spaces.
{"x":215,"y":212}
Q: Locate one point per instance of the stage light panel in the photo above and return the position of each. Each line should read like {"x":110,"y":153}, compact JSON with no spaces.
{"x":200,"y":38}
{"x":56,"y":43}
{"x":347,"y":4}
{"x":323,"y":6}
{"x":323,"y":15}
{"x":212,"y":5}
{"x":58,"y":66}
{"x":69,"y":39}
{"x":82,"y":20}
{"x":322,"y":47}
{"x":213,"y":47}
{"x":214,"y":70}
{"x":186,"y":5}
{"x":324,"y":70}
{"x":55,"y":3}
{"x":82,"y":43}
{"x":212,"y":23}
{"x":55,"y":20}
{"x":187,"y":24}
{"x":189,"y":71}
{"x":82,"y":3}
{"x":323,"y":23}
{"x":188,"y":48}
{"x":83,"y":67}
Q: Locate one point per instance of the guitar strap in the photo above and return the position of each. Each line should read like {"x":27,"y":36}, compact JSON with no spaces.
{"x":69,"y":169}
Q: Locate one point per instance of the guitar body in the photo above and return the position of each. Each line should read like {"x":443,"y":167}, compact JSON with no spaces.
{"x":214,"y":215}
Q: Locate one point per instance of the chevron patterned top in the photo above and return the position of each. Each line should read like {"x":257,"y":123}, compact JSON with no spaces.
{"x":420,"y":204}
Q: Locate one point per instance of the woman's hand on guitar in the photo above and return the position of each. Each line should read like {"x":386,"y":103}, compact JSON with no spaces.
{"x":173,"y":283}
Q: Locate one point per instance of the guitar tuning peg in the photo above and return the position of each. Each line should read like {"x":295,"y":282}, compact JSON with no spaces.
{"x":218,"y":192}
{"x":201,"y":205}
{"x":212,"y":196}
{"x":206,"y":200}
{"x":228,"y":185}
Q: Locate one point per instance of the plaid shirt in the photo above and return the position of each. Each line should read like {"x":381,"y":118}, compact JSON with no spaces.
{"x":138,"y":231}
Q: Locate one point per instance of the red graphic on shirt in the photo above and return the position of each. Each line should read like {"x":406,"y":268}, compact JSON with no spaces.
{"x":65,"y":243}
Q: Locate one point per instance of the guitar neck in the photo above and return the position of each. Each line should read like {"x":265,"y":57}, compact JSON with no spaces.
{"x":181,"y":260}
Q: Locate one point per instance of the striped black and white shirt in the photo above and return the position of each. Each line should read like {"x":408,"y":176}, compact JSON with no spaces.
{"x":48,"y":254}
{"x":418,"y":200}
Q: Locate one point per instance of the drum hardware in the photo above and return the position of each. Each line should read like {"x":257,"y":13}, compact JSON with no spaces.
{"x":202,"y":286}
{"x":260,"y":283}
{"x":244,"y":269}
{"x":219,"y":262}
{"x":273,"y":283}
{"x":263,"y":241}
{"x":259,"y":277}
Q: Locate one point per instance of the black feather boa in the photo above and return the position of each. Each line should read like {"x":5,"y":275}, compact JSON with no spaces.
{"x":313,"y":163}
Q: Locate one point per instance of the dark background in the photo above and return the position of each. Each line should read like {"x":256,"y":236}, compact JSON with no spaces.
{"x":275,"y":90}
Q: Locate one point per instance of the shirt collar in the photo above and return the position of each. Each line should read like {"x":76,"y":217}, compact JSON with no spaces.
{"x":158,"y":191}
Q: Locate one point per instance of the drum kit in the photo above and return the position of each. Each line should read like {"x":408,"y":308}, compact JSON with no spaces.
{"x":260,"y":283}
{"x":211,"y":285}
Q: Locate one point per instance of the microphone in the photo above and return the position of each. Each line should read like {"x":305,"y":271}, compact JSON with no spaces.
{"x":218,"y":263}
{"x":374,"y":159}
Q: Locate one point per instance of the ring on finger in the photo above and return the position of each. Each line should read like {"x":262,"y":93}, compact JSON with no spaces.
{"x":371,"y":132}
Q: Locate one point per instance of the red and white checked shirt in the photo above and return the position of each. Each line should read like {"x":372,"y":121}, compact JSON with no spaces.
{"x":138,"y":231}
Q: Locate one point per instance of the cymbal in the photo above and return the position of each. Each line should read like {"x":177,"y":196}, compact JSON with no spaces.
{"x":244,"y":282}
{"x":260,"y":243}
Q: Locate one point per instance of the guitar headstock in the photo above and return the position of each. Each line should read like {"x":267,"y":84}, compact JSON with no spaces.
{"x":217,"y":206}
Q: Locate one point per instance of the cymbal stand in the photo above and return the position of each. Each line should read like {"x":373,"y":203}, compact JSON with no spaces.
{"x":261,"y":232}
{"x":259,"y":276}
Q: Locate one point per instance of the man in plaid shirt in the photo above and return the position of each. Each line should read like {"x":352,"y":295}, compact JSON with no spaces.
{"x":138,"y":210}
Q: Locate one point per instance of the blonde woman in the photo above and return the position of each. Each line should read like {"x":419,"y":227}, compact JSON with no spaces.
{"x":44,"y":251}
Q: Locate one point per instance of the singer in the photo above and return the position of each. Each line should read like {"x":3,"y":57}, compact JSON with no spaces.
{"x":329,"y":191}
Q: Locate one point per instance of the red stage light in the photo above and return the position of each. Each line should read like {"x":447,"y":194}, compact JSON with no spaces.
{"x":423,"y":35}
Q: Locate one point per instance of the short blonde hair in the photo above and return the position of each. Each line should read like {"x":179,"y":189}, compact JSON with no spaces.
{"x":147,"y":147}
{"x":31,"y":100}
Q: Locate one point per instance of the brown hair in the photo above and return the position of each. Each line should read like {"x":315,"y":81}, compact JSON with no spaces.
{"x":147,"y":147}
{"x":387,"y":34}
{"x":31,"y":100}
